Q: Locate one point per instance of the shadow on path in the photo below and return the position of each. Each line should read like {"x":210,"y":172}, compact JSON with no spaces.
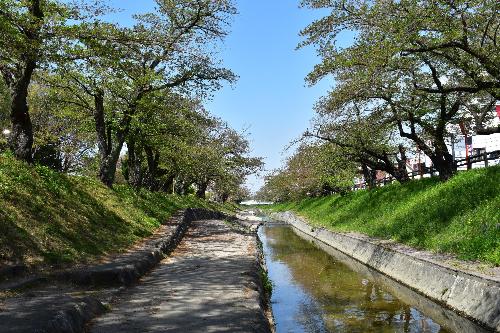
{"x":206,"y":285}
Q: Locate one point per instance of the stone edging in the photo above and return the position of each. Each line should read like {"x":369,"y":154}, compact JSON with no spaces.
{"x":475,"y":297}
{"x":129,"y":268}
{"x":261,"y":268}
{"x":74,"y":318}
{"x":251,"y":228}
{"x":126,"y":271}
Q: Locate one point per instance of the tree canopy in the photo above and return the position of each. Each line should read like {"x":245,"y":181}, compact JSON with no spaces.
{"x":413,"y":72}
{"x":89,"y":95}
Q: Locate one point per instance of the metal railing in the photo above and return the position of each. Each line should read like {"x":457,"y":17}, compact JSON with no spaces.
{"x":482,"y":157}
{"x":423,"y":171}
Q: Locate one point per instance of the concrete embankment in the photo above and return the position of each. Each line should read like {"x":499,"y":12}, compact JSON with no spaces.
{"x":472,"y":294}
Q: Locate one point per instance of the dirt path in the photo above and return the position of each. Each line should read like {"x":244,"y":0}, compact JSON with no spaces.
{"x":206,"y":285}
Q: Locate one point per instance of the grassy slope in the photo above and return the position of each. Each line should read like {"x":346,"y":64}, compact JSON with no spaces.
{"x":461,"y":216}
{"x":47,"y":217}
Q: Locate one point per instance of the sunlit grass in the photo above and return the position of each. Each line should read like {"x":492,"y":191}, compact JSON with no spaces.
{"x":461,"y":216}
{"x":48,"y":217}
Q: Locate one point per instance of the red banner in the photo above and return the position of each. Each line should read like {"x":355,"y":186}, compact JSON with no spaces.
{"x":498,"y":111}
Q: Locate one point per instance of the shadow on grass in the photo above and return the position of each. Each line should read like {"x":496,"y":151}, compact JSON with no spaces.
{"x":47,"y":217}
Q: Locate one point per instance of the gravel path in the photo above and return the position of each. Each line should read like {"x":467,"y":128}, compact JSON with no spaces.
{"x":206,"y":285}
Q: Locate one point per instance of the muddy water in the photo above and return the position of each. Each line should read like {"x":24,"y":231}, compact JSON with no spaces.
{"x":318,"y":289}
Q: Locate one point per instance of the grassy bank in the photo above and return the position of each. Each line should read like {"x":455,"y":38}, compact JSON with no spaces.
{"x":51,"y":218}
{"x":461,"y":216}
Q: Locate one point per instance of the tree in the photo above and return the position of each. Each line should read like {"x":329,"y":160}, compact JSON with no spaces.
{"x":159,"y":142}
{"x":361,"y":135}
{"x":181,"y":144}
{"x":98,"y":91}
{"x":167,"y":50}
{"x":33,"y":35}
{"x":316,"y":168}
{"x":463,"y":34}
{"x":63,"y":139}
{"x":220,"y":160}
{"x":413,"y":64}
{"x":236,"y":165}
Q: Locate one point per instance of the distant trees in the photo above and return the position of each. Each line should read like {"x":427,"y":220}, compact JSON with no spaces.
{"x":95,"y":88}
{"x":315,"y":169}
{"x":190,"y":149}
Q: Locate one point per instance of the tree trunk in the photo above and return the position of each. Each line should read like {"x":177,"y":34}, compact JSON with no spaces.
{"x":134,"y":162}
{"x":383,"y":162}
{"x":370,"y":176}
{"x":108,"y":154}
{"x":401,"y":174}
{"x":372,"y":162}
{"x":201,"y":191}
{"x":443,"y":163}
{"x":21,"y":136}
{"x":153,"y":159}
{"x":442,"y":160}
{"x":182,"y":187}
{"x":107,"y":170}
{"x":168,"y":185}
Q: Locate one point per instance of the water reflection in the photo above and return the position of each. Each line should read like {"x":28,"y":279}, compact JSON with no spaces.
{"x":316,"y":292}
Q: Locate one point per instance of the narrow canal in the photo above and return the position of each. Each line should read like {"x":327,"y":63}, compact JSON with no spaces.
{"x":322,"y":290}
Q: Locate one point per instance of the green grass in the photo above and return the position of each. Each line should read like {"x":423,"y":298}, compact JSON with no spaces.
{"x":50,"y":218}
{"x":267,"y":284}
{"x":461,"y":216}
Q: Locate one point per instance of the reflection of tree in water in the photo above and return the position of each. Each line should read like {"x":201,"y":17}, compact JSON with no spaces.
{"x":348,"y":301}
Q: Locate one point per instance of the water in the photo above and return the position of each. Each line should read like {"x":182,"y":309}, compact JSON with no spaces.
{"x":318,"y":289}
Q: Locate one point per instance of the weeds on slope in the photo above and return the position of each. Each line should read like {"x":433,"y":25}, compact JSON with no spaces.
{"x":51,"y":218}
{"x":460,"y":216}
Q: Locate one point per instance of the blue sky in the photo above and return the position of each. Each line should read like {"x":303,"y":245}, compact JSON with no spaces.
{"x":271,"y":98}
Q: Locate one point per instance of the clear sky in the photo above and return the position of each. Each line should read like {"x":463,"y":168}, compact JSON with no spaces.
{"x":271,"y":98}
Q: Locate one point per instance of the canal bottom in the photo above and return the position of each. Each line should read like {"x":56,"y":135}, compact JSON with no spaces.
{"x":319,"y":289}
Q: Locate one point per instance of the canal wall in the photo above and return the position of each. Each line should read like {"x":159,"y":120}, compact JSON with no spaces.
{"x":474,"y":295}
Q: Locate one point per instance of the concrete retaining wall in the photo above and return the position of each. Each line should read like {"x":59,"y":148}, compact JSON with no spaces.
{"x":473,"y":295}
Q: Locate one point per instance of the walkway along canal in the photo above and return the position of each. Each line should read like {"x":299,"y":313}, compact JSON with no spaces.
{"x":208,"y":284}
{"x":318,"y":289}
